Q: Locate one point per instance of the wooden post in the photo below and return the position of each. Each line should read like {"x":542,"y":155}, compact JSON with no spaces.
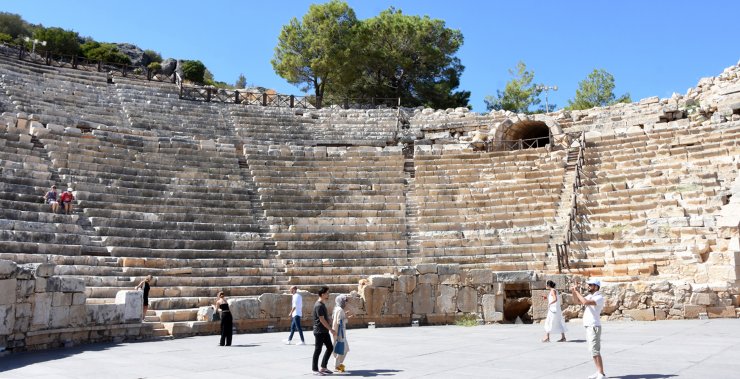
{"x":236,"y":97}
{"x":208,"y":95}
{"x":100,"y":66}
{"x":48,"y":58}
{"x":74,"y":61}
{"x":264,"y":99}
{"x":292,"y":100}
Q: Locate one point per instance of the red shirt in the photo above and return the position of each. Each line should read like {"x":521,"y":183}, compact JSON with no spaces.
{"x":66,"y":196}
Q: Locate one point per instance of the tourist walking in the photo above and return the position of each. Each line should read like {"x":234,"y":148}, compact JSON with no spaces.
{"x":321,"y":330}
{"x":51,"y":199}
{"x":144,"y":285}
{"x":594,"y":303}
{"x":340,"y":318}
{"x":295,"y":314}
{"x":554,"y":323}
{"x":227,"y":323}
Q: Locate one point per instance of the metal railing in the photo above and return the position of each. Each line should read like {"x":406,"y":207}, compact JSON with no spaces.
{"x":564,"y":139}
{"x":563,"y":249}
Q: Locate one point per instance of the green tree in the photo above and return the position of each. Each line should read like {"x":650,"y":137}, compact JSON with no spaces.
{"x":241,"y":82}
{"x":518,"y":95}
{"x":597,"y":90}
{"x":315,"y":53}
{"x":5,"y":38}
{"x":153,"y":56}
{"x":409,"y":57}
{"x":13,"y":25}
{"x":58,"y":40}
{"x":106,"y":52}
{"x":194,"y":71}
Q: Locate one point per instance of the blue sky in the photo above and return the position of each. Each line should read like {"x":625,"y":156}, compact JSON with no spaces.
{"x":653,"y":48}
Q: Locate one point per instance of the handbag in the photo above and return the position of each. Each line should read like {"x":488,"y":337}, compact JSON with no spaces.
{"x":339,"y":346}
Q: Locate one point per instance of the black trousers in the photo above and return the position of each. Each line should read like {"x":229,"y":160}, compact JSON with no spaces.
{"x":322,"y":339}
{"x":226,"y":328}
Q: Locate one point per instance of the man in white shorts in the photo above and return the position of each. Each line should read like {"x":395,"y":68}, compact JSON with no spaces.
{"x":594,"y":303}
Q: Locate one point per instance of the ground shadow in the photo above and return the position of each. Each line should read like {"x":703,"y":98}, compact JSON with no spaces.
{"x":244,"y":345}
{"x":576,"y":341}
{"x":370,"y":373}
{"x":17,"y":360}
{"x":644,"y":376}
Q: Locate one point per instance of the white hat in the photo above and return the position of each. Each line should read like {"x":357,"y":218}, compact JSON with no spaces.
{"x":69,"y":189}
{"x":594,"y":281}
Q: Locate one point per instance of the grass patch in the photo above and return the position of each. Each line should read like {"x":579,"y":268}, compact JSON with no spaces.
{"x":470,"y":319}
{"x":613,"y":229}
{"x":688,"y":187}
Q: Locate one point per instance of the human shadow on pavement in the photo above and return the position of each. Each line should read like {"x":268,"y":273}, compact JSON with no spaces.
{"x":643,"y":376}
{"x":576,"y":341}
{"x":370,"y":373}
{"x":244,"y":345}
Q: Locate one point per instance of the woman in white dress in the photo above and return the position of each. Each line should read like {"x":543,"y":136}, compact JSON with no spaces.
{"x":554,"y":322}
{"x":339,"y":324}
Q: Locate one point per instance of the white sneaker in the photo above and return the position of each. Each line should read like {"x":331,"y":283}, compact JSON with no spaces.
{"x":601,"y":376}
{"x":287,"y":342}
{"x":594,"y":375}
{"x":301,"y":343}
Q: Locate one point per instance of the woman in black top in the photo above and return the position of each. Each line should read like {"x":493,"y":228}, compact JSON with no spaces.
{"x":226,"y":320}
{"x":144,"y":284}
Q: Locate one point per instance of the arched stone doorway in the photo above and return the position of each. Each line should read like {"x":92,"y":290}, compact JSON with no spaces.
{"x":533,"y":133}
{"x":538,"y":129}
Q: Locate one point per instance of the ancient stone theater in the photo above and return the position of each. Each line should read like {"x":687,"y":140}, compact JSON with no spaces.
{"x":419,"y":215}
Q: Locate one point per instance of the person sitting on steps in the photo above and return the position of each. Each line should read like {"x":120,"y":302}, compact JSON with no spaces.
{"x":66,"y":199}
{"x":51,"y":199}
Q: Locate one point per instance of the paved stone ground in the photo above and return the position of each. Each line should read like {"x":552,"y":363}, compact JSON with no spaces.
{"x":631,"y":350}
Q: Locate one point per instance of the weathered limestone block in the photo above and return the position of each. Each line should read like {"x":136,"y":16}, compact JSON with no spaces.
{"x":480,"y":276}
{"x":423,"y":299}
{"x":41,"y":309}
{"x":102,"y":314}
{"x":516,"y":276}
{"x":381,"y":280}
{"x":721,"y":312}
{"x":274,"y":305}
{"x":77,"y":315}
{"x":405,"y":283}
{"x":640,"y":314}
{"x":449,"y":279}
{"x":693,"y":311}
{"x":61,"y":299}
{"x":467,"y":300}
{"x":355,"y":304}
{"x":7,"y":268}
{"x":706,"y":298}
{"x":491,"y":310}
{"x":446,"y":301}
{"x":427,"y":268}
{"x":65,"y":284}
{"x":432,"y":279}
{"x":41,"y":270}
{"x":7,"y":291}
{"x":374,"y":300}
{"x":132,"y":302}
{"x":59,"y":317}
{"x":7,"y":319}
{"x":398,"y":303}
{"x":448,"y":269}
{"x":205,"y":313}
{"x":539,"y":304}
{"x":247,"y":308}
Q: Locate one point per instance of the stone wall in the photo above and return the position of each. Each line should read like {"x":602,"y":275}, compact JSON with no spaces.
{"x":39,"y":310}
{"x":435,"y":294}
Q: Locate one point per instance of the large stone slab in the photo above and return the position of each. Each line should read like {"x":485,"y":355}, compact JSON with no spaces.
{"x":446,"y":301}
{"x":423,"y":299}
{"x":492,"y":312}
{"x":133,"y":304}
{"x":275,"y":305}
{"x":467,"y":300}
{"x":247,"y":308}
{"x":515,"y":276}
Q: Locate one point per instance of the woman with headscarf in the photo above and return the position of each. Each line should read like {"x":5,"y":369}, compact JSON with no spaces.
{"x":554,"y":323}
{"x":339,"y":324}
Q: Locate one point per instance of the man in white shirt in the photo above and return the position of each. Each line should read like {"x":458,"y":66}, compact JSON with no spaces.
{"x":594,"y":303}
{"x":295,"y":315}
